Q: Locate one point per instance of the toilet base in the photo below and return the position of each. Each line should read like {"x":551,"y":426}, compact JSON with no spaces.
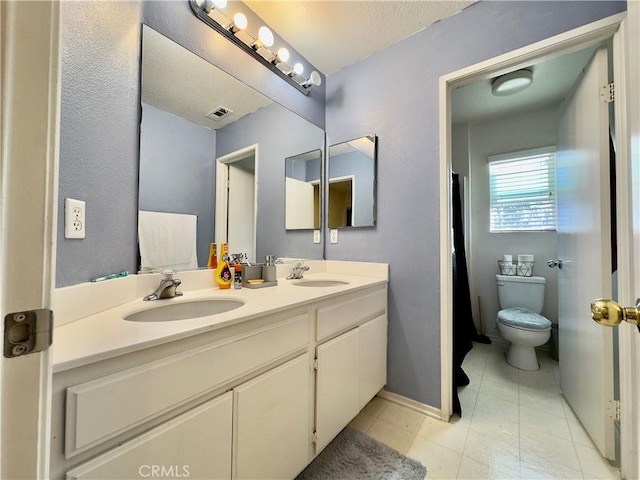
{"x":522,"y":357}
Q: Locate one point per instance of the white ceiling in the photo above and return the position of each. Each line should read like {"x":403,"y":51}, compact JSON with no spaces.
{"x":332,"y":34}
{"x":552,"y":81}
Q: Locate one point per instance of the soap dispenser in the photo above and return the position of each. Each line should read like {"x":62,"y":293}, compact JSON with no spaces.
{"x":224,"y":276}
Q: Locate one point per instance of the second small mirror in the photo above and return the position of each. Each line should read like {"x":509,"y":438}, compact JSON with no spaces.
{"x":303,"y":191}
{"x":352,"y":183}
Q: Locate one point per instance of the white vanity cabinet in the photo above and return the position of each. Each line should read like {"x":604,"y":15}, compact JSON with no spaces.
{"x":351,"y":366}
{"x":272,"y":433}
{"x":196,"y":444}
{"x":254,"y":400}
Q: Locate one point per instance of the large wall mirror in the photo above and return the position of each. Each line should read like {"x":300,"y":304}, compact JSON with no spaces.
{"x":352,"y":183}
{"x":198,"y":124}
{"x":303,"y":191}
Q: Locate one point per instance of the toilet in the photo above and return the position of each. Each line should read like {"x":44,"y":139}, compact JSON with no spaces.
{"x":519,"y":320}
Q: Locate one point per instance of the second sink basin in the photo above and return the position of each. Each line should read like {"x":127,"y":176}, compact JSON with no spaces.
{"x":184,"y":310}
{"x":320,"y":283}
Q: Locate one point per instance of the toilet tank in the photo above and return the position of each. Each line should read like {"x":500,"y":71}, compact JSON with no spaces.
{"x":517,"y":291}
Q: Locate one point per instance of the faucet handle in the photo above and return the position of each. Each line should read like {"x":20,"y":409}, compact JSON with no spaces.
{"x":168,"y":274}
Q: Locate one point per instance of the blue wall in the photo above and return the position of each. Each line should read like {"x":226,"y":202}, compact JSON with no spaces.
{"x":177,"y":171}
{"x":100,"y":119}
{"x":394,"y":94}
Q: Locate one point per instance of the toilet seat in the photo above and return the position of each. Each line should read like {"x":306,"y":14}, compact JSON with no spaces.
{"x":523,"y":319}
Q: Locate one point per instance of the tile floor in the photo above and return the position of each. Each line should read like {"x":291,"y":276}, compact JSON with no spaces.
{"x":514,"y":425}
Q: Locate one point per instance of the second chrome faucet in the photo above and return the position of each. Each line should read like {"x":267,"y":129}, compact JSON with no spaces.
{"x":167,"y":287}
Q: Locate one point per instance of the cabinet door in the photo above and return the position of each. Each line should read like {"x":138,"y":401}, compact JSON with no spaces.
{"x":196,"y":444}
{"x":337,"y":392}
{"x":373,"y":358}
{"x":272,"y":413}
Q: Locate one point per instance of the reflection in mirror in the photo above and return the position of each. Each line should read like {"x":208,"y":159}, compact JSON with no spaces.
{"x":352,"y":183}
{"x":303,"y":191}
{"x":194,"y":115}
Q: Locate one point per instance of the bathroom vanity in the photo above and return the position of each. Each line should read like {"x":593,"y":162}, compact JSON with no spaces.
{"x":254,"y":392}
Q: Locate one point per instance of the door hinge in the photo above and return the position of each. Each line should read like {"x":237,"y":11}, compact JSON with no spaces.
{"x":27,"y":332}
{"x":314,"y":437}
{"x":613,"y":409}
{"x":608,"y":93}
{"x":315,"y":364}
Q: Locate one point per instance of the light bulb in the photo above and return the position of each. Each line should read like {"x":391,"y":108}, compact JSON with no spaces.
{"x":240,"y":21}
{"x":298,"y":68}
{"x":283,"y":54}
{"x":265,"y":36}
{"x":219,"y":3}
{"x":315,"y":79}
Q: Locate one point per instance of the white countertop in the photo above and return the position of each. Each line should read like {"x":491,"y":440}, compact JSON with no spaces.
{"x":106,"y":334}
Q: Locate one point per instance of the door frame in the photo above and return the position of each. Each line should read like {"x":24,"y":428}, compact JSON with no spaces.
{"x":29,"y":138}
{"x":222,"y":193}
{"x":573,"y":40}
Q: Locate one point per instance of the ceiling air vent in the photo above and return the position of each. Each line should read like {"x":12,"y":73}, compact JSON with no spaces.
{"x":219,"y":113}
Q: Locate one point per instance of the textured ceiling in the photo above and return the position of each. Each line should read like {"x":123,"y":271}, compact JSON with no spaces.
{"x":332,"y":34}
{"x":178,"y":81}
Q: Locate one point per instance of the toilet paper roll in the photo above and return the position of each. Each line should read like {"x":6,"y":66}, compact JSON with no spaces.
{"x":507,"y":258}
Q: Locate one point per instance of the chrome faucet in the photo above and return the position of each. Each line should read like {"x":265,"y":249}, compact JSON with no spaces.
{"x":298,"y":271}
{"x":167,"y":287}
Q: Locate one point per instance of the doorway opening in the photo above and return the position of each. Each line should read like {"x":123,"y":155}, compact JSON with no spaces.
{"x":341,"y":199}
{"x":236,"y":194}
{"x":551,"y":50}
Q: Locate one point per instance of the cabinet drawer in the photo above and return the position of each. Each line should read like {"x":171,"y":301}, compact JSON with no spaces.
{"x":339,"y":317}
{"x":196,"y":444}
{"x":108,"y":406}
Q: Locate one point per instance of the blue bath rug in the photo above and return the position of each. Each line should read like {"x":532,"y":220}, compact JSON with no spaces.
{"x":352,"y":455}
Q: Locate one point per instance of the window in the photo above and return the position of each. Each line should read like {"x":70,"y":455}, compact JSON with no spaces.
{"x":523,"y":191}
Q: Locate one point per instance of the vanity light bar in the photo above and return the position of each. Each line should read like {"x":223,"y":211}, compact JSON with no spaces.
{"x":261,"y":54}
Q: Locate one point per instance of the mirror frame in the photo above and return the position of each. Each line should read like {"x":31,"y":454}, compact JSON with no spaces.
{"x":374,"y":186}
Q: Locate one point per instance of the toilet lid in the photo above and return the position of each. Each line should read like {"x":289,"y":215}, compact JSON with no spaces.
{"x":520,"y":317}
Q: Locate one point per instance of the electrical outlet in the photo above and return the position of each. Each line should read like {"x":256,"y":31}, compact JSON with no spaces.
{"x":334,"y":236}
{"x":316,"y":236}
{"x":74,"y":218}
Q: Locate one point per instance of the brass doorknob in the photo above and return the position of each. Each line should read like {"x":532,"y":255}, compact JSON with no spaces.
{"x":608,"y":313}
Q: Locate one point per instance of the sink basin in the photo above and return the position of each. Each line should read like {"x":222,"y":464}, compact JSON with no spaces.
{"x":320,"y":283}
{"x":184,"y":310}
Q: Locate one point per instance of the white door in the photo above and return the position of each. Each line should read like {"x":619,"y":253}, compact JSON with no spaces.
{"x":337,"y":386}
{"x":586,"y":349}
{"x":299,"y":209}
{"x":272,"y":433}
{"x":241,"y":234}
{"x":628,"y":190}
{"x":30,"y":74}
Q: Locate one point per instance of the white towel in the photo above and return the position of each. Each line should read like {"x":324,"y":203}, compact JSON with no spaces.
{"x":167,"y":241}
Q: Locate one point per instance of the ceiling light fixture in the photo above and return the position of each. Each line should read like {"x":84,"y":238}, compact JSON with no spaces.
{"x":511,"y":83}
{"x":209,"y":12}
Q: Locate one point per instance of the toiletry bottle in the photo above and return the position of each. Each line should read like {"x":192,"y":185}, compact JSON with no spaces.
{"x":237,"y":276}
{"x":213,"y":256}
{"x":224,"y":276}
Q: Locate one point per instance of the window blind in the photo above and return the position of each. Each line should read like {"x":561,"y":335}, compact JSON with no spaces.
{"x":523,"y":191}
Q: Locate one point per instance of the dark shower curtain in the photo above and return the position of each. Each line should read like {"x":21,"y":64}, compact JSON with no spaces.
{"x":464,"y":330}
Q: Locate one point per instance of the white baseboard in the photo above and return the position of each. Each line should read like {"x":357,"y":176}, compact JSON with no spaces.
{"x":412,"y":404}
